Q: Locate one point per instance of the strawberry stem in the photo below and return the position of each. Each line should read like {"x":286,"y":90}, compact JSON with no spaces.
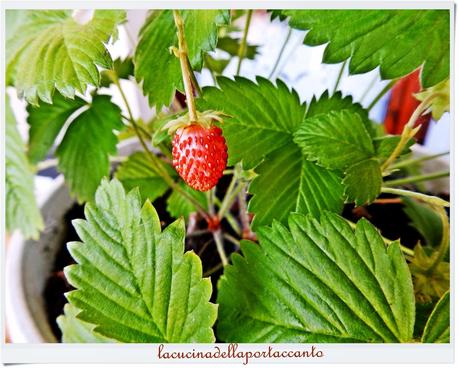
{"x":185,"y":66}
{"x":243,"y":47}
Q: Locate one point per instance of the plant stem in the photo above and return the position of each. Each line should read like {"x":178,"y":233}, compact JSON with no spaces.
{"x":243,"y":46}
{"x":417,"y":178}
{"x":341,"y":71}
{"x":157,"y":166}
{"x":382,"y":93}
{"x":414,"y":161}
{"x":218,"y":238}
{"x":196,"y":85}
{"x":408,"y":131}
{"x":281,"y":52}
{"x":230,"y":196}
{"x":232,"y":239}
{"x":444,"y":244}
{"x":184,"y":65}
{"x":422,"y":197}
{"x":212,"y":270}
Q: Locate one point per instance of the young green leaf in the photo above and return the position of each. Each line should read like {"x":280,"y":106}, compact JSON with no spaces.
{"x":385,"y":145}
{"x":178,"y":205}
{"x":52,"y":50}
{"x":232,"y":45}
{"x":258,"y":128}
{"x":46,"y":121}
{"x":335,"y":140}
{"x":134,"y":283}
{"x":21,"y":211}
{"x":74,"y":330}
{"x":156,"y":66}
{"x":398,"y":41}
{"x":362,"y":182}
{"x":317,"y":281}
{"x":137,"y":171}
{"x":437,"y":329}
{"x":84,"y":151}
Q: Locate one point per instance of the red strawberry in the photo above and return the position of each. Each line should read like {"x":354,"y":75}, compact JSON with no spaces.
{"x":199,"y":155}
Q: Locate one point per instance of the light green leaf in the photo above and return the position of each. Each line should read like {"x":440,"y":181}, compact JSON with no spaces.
{"x":287,"y":182}
{"x":439,"y":96}
{"x":437,"y":329}
{"x":21,"y":210}
{"x":156,"y":66}
{"x":51,"y":50}
{"x":232,"y":45}
{"x":84,"y":151}
{"x":77,"y":331}
{"x":46,"y":121}
{"x":263,"y":116}
{"x":398,"y":41}
{"x":134,"y":283}
{"x":178,"y":205}
{"x":317,"y":281}
{"x":424,"y":220}
{"x":362,"y":182}
{"x":335,"y":140}
{"x":137,"y":171}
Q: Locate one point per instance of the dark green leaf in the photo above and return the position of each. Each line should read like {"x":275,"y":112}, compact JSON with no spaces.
{"x":21,"y":210}
{"x":424,"y":220}
{"x":156,"y":66}
{"x":46,"y":121}
{"x":178,"y":205}
{"x":134,"y":283}
{"x":398,"y":41}
{"x":362,"y":182}
{"x":137,"y":171}
{"x":263,"y":116}
{"x":317,"y":281}
{"x":84,"y":152}
{"x":437,"y":329}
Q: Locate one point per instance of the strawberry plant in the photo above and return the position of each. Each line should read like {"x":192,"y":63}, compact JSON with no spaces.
{"x":243,"y":214}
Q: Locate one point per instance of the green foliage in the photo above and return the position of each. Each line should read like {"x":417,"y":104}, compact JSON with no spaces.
{"x":317,"y":281}
{"x":178,"y":206}
{"x":84,"y":151}
{"x":50,"y":50}
{"x":137,"y":171}
{"x":21,"y":211}
{"x":231,"y":46}
{"x":46,"y":121}
{"x":134,"y":283}
{"x":362,"y":182}
{"x":156,"y":66}
{"x":424,"y":220}
{"x":123,"y":69}
{"x":398,"y":41}
{"x":437,"y":329}
{"x":74,"y":330}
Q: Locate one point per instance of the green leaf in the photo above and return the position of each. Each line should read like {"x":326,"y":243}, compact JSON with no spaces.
{"x":440,"y":98}
{"x":317,"y":281}
{"x":259,"y":127}
{"x":398,"y":41}
{"x":178,"y":205}
{"x":335,"y":140}
{"x":156,"y":66}
{"x":287,"y":182}
{"x":46,"y":121}
{"x":424,"y":220}
{"x":362,"y":182}
{"x":21,"y":210}
{"x":51,"y":50}
{"x":137,"y":171}
{"x":134,"y":283}
{"x":123,"y":68}
{"x":74,"y":330}
{"x":231,"y":46}
{"x":84,"y":151}
{"x":437,"y":329}
{"x":215,"y":65}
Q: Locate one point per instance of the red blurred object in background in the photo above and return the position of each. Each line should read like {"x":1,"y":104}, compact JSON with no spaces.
{"x":402,"y":104}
